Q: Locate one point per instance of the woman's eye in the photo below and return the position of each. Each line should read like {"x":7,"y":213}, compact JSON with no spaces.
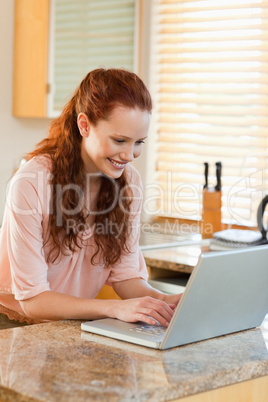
{"x":123,"y":141}
{"x":119,"y":141}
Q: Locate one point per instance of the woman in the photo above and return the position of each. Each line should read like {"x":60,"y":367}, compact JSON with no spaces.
{"x":71,"y":223}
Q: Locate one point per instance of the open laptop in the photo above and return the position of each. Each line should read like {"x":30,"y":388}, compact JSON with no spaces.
{"x":227,"y":292}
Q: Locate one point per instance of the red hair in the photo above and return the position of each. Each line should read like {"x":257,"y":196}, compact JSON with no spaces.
{"x":98,"y":94}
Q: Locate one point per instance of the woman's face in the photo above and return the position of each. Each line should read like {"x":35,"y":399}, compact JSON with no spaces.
{"x":111,"y":144}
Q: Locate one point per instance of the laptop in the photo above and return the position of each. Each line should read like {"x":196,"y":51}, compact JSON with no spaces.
{"x":227,"y":292}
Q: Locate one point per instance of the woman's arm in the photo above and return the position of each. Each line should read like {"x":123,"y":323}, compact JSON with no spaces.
{"x":50,"y":305}
{"x":138,"y":287}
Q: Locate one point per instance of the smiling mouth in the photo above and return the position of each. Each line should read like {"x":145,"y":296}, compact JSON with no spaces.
{"x":117,"y":164}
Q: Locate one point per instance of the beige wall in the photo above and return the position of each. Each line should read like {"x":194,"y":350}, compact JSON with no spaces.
{"x":17,"y":135}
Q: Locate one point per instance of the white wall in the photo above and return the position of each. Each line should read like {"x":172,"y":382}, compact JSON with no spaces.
{"x":17,"y":135}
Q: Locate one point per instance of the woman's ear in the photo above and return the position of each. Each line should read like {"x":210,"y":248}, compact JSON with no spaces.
{"x":83,"y":124}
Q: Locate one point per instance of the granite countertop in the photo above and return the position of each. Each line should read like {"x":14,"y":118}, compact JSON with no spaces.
{"x":179,"y":258}
{"x":59,"y":362}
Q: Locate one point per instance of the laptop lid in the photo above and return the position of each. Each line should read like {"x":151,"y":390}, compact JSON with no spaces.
{"x":227,"y":292}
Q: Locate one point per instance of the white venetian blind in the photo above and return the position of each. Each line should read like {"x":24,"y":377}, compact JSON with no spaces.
{"x":211,"y":96}
{"x":88,"y":34}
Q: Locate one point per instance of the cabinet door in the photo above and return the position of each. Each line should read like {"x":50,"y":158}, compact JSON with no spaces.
{"x":31,"y":29}
{"x":107,"y":292}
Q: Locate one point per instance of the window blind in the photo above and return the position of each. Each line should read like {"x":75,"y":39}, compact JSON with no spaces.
{"x":88,"y":34}
{"x":210,"y":85}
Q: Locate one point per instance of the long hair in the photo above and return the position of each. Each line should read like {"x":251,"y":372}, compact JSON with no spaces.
{"x":98,"y":94}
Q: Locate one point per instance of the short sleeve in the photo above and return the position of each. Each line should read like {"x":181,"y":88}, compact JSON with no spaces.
{"x":132,"y":264}
{"x":24,"y":230}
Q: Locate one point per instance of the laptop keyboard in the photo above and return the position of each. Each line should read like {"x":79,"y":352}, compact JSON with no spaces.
{"x":150,"y":330}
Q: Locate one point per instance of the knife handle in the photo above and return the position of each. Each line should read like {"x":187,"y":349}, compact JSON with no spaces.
{"x":206,"y":175}
{"x":218,"y":176}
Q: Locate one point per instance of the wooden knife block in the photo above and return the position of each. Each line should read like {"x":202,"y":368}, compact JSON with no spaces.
{"x":211,"y":215}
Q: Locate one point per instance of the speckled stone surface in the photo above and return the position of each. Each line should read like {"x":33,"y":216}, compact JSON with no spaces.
{"x":59,"y":362}
{"x":180,"y":259}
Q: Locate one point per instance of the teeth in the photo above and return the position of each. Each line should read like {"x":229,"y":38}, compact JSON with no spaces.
{"x":116,"y":163}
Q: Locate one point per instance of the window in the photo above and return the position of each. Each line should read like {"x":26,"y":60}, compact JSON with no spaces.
{"x":86,"y":35}
{"x":210,"y":86}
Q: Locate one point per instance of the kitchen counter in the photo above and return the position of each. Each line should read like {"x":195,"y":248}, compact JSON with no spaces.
{"x":180,"y":258}
{"x":59,"y":362}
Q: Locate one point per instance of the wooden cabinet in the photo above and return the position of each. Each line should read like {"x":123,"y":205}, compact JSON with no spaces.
{"x":248,"y":391}
{"x":107,"y":292}
{"x":31,"y":36}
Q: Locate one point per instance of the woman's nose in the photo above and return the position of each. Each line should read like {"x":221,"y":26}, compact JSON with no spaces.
{"x":128,"y":154}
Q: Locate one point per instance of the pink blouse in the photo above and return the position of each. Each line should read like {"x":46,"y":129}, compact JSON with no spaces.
{"x":24,"y":272}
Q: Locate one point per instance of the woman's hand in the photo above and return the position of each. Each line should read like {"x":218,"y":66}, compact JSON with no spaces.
{"x":146,"y":309}
{"x":173,"y":299}
{"x":143,"y":303}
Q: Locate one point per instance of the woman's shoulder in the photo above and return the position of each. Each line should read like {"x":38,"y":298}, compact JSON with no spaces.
{"x":36,"y":164}
{"x":30,"y":187}
{"x":34,"y":173}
